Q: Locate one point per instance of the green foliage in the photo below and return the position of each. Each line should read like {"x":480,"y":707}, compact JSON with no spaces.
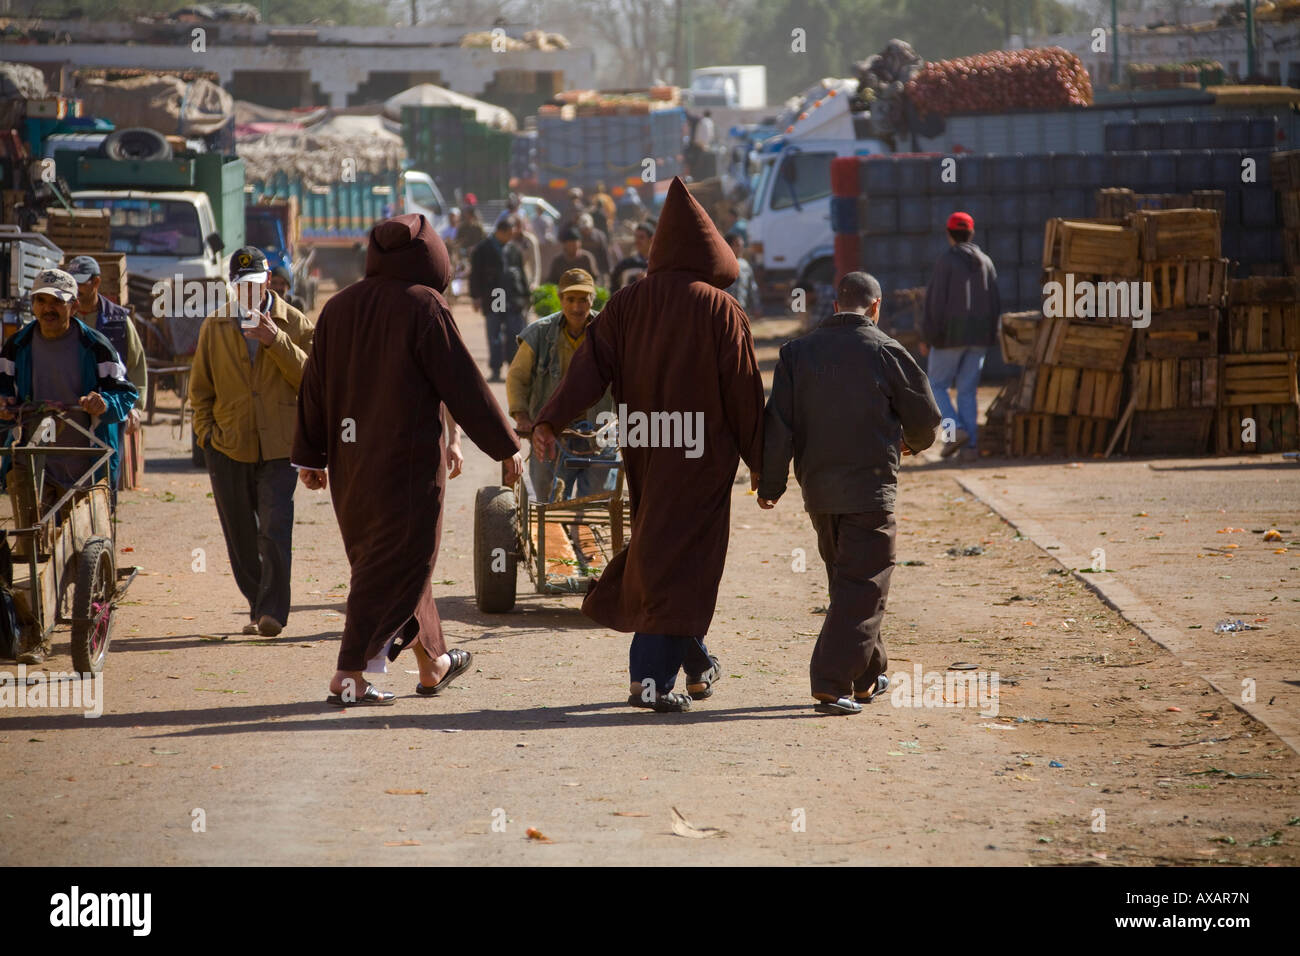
{"x":546,"y":299}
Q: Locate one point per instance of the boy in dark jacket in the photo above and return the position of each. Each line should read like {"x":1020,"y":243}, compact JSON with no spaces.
{"x":962,"y":306}
{"x":847,"y":402}
{"x":498,"y":284}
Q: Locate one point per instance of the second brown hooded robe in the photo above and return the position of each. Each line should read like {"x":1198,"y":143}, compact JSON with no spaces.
{"x":672,"y":342}
{"x":386,"y":357}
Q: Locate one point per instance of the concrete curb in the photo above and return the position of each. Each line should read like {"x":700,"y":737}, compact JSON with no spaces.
{"x":1120,"y":598}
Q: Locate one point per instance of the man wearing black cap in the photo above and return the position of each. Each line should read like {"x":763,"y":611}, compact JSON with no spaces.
{"x":244,"y":390}
{"x":570,"y":256}
{"x":847,"y":403}
{"x":962,"y":306}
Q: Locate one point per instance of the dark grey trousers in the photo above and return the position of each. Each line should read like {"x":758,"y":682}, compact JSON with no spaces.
{"x":859,"y":553}
{"x":255,"y":505}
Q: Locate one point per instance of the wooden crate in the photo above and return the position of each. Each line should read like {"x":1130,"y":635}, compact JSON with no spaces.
{"x":1179,"y":431}
{"x":1160,"y":384}
{"x":1290,"y":202}
{"x":1291,"y":250}
{"x":112,"y":272}
{"x":1186,"y":283}
{"x":1082,"y":344}
{"x":78,"y":228}
{"x":1115,"y":203}
{"x":1016,"y":334}
{"x":1086,"y":437}
{"x":1263,"y":289}
{"x":1101,"y":246}
{"x":1264,"y":327}
{"x":1266,"y":378}
{"x":1284,"y":170}
{"x":1061,"y":390}
{"x":1190,"y":333}
{"x":1277,"y":429}
{"x":1071,"y":282}
{"x":1031,"y":435}
{"x":1121,"y":203}
{"x":1178,"y":234}
{"x":995,"y":431}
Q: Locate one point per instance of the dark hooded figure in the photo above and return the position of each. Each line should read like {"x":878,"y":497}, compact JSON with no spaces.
{"x":679,"y":357}
{"x":387,"y":358}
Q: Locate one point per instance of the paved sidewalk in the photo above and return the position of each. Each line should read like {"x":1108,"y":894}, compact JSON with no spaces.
{"x":1182,"y":544}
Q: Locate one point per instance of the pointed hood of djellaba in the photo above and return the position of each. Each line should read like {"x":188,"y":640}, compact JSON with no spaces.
{"x":686,"y":240}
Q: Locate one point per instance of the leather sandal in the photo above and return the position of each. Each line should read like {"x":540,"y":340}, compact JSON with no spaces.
{"x":881,"y":686}
{"x":700,"y":687}
{"x":460,"y":661}
{"x":844,"y":707}
{"x":662,"y":703}
{"x":372,"y":697}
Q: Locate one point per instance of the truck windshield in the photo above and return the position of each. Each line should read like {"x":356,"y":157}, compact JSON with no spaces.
{"x":150,"y":227}
{"x":812,"y":181}
{"x":262,"y":232}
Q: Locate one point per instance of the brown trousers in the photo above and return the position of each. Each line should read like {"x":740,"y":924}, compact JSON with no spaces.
{"x":859,"y":553}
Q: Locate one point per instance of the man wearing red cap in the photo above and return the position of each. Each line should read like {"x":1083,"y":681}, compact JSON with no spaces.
{"x":962,"y":306}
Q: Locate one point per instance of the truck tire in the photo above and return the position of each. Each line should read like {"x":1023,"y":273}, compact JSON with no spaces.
{"x":496,"y":547}
{"x":137,"y":143}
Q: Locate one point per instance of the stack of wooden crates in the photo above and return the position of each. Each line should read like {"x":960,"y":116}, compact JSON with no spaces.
{"x":1284,"y":170}
{"x":1176,"y":369}
{"x":85,"y":232}
{"x":1257,"y":375}
{"x":1214,"y":370}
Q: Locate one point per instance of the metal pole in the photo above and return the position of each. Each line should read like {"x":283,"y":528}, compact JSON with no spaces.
{"x":1250,"y":38}
{"x":1114,"y":42}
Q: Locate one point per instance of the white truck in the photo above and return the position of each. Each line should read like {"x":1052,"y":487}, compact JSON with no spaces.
{"x":790,"y":238}
{"x":731,"y":87}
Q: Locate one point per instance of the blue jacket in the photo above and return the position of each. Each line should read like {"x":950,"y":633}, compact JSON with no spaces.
{"x":101,"y":371}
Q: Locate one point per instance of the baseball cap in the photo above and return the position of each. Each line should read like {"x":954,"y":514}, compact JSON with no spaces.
{"x":83,"y":268}
{"x":471,"y":199}
{"x":57,"y":283}
{"x":248,"y":264}
{"x":576,"y":280}
{"x":961,"y":220}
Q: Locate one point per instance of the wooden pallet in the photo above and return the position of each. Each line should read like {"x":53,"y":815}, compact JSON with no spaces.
{"x":1122,"y":203}
{"x":1277,"y":429}
{"x":1086,"y":437}
{"x":1266,"y":378}
{"x":1264,"y":327}
{"x":1178,"y":234}
{"x":1186,"y":283}
{"x":1173,"y":432}
{"x":1161,"y":384}
{"x":1016,"y":334}
{"x":1190,"y":333}
{"x":112,"y":272}
{"x":1102,"y":246}
{"x":1031,"y":435}
{"x":1061,"y":390}
{"x":1040,"y":436}
{"x":78,"y":228}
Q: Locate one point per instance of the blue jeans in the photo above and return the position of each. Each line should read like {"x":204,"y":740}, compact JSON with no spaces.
{"x":502,"y":327}
{"x":578,"y":481}
{"x":658,"y":658}
{"x":959,"y":368}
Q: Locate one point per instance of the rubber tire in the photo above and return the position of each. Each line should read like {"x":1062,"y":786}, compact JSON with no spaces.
{"x":137,"y":143}
{"x":94,"y":562}
{"x":496,"y":525}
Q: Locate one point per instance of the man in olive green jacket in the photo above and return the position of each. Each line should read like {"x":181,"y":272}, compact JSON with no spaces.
{"x":244,"y":391}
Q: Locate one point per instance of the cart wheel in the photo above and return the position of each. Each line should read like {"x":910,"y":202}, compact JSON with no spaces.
{"x":496,"y":543}
{"x":92,"y":608}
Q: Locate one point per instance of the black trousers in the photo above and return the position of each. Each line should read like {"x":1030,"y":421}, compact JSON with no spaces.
{"x":255,"y":505}
{"x":859,"y":553}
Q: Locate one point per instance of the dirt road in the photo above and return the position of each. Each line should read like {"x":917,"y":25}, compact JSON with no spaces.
{"x":1104,"y":748}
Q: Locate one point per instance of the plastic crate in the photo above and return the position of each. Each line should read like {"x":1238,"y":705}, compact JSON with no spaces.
{"x":1225,"y":167}
{"x":880,"y":176}
{"x":1162,"y":171}
{"x":1128,"y":170}
{"x":916,"y":175}
{"x":1148,"y":134}
{"x":913,"y":214}
{"x":1176,"y":134}
{"x":1003,"y":247}
{"x":973,"y":174}
{"x":879,"y":254}
{"x":1195,"y":169}
{"x":1262,"y":132}
{"x":1259,"y":207}
{"x":1120,"y":136}
{"x":1008,"y":172}
{"x":1036,"y":209}
{"x":1031,"y":245}
{"x":1029,"y":288}
{"x":1037,"y":172}
{"x":882,"y":215}
{"x":1008,"y":208}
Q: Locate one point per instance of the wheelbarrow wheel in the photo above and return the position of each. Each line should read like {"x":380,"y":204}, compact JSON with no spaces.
{"x":496,"y":545}
{"x":92,"y":605}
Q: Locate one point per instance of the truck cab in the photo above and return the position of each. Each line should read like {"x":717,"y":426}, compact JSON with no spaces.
{"x":163,"y":233}
{"x":790,"y":235}
{"x":420,"y":194}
